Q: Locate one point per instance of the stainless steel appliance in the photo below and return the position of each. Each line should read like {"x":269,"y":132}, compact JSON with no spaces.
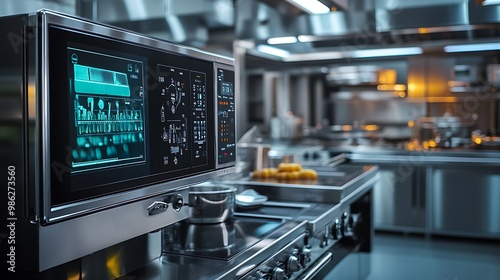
{"x":291,"y":236}
{"x":102,"y":132}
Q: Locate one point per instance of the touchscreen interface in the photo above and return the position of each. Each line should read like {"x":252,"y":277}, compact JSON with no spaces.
{"x":107,"y":93}
{"x":226,"y":117}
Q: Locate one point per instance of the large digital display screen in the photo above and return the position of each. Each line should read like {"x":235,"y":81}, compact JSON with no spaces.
{"x":108,"y":110}
{"x":125,"y":116}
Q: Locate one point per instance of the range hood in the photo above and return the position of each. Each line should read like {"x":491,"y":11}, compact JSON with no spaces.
{"x":187,"y":21}
{"x":365,"y":24}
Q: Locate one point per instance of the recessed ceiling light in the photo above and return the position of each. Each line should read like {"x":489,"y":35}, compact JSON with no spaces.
{"x":282,"y":40}
{"x":311,"y":6}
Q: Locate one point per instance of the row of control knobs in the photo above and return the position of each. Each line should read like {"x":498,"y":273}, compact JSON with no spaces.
{"x":293,"y":263}
{"x":299,"y":258}
{"x":343,"y":227}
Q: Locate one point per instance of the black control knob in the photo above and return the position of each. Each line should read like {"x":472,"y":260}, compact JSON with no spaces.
{"x":305,"y":256}
{"x":306,"y":156}
{"x":177,"y":202}
{"x":292,"y":264}
{"x":278,"y":274}
{"x":343,"y":224}
{"x":315,"y":156}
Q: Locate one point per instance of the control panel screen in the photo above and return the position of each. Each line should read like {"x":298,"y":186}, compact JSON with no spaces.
{"x":123,"y":116}
{"x":226,"y":135}
{"x":108,"y":113}
{"x":183,"y":118}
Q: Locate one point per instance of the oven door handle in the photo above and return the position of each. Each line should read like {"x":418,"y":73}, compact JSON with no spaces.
{"x":324,"y":261}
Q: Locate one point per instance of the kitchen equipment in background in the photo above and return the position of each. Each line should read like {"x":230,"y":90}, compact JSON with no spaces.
{"x":287,"y":127}
{"x":488,"y":139}
{"x":445,"y":132}
{"x":278,"y":156}
{"x":361,"y":75}
{"x":211,"y":203}
{"x":493,"y":74}
{"x":466,"y":78}
{"x":252,"y":152}
{"x":349,"y":134}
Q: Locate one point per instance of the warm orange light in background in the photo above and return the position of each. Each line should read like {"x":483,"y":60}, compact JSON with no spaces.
{"x":347,"y":127}
{"x":395,"y":87}
{"x":411,"y":86}
{"x":371,"y":127}
{"x":426,"y":145}
{"x":411,"y":123}
{"x":423,"y":30}
{"x":402,"y":94}
{"x":412,"y":145}
{"x":74,"y":276}
{"x":387,"y":76}
{"x":442,"y":99}
{"x":113,"y":265}
{"x":31,"y":101}
{"x":432,"y":144}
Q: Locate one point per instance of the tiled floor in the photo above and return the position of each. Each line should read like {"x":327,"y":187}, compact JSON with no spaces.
{"x":396,"y":257}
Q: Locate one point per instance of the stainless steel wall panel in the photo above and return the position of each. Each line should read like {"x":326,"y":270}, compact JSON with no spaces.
{"x":466,"y":201}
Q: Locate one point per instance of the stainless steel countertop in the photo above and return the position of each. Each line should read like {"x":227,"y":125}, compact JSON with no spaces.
{"x":377,"y":154}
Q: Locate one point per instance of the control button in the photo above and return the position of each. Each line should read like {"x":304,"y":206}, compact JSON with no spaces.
{"x":278,"y":274}
{"x":305,"y":256}
{"x":315,"y":156}
{"x":343,"y":224}
{"x":306,"y":156}
{"x":178,"y":202}
{"x":324,"y":241}
{"x":292,"y":264}
{"x":350,"y":222}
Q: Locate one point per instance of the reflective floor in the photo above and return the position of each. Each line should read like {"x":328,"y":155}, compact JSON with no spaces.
{"x":409,"y":257}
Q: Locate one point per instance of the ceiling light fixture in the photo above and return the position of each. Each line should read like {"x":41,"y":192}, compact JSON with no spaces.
{"x":472,"y":47}
{"x":273,"y":51}
{"x":311,"y":6}
{"x":312,"y":56}
{"x":490,"y":2}
{"x":282,"y":40}
{"x":386,"y":52}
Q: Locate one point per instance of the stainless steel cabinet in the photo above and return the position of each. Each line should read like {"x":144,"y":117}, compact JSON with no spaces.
{"x":466,"y":201}
{"x":399,"y":198}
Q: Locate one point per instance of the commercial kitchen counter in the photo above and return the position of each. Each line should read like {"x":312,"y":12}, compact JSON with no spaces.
{"x":291,"y":236}
{"x":437,"y":191}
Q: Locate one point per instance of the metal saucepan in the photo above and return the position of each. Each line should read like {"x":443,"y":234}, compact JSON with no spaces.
{"x":210,"y":204}
{"x":217,"y":239}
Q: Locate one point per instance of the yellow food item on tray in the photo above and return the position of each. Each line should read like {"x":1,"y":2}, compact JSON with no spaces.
{"x":308,"y":174}
{"x":286,"y":172}
{"x":289,"y":167}
{"x":265,"y":173}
